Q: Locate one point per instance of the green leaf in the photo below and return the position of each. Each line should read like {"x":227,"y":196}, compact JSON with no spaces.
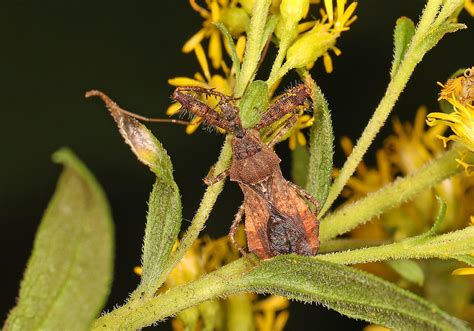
{"x":402,"y":35}
{"x":408,"y":269}
{"x":439,"y":219}
{"x":469,"y":259}
{"x":321,"y":148}
{"x":164,"y":206}
{"x":230,"y":43}
{"x":435,"y":36}
{"x":68,"y":277}
{"x":349,"y":291}
{"x":253,"y":103}
{"x":299,"y":165}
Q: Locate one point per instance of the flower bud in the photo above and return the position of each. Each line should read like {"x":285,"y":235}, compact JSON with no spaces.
{"x":235,"y":19}
{"x":294,"y":10}
{"x":309,"y":47}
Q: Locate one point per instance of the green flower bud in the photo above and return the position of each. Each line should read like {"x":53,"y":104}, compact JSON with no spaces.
{"x":235,"y":19}
{"x":309,"y":47}
{"x":247,"y":5}
{"x":294,"y":10}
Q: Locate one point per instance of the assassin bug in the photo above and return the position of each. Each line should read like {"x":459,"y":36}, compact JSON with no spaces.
{"x":277,"y":218}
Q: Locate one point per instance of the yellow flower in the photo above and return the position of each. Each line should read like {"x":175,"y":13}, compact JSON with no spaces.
{"x":322,"y":36}
{"x":225,"y":11}
{"x":460,"y":88}
{"x":205,"y":80}
{"x":469,"y":6}
{"x":461,"y":122}
{"x":296,"y":136}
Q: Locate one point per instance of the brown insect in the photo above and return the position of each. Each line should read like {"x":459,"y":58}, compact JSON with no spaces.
{"x":277,"y":218}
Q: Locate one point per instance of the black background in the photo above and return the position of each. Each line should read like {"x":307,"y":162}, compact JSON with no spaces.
{"x":53,"y":51}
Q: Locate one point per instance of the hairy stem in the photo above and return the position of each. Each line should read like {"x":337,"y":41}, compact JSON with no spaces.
{"x":392,"y":195}
{"x":412,"y":57}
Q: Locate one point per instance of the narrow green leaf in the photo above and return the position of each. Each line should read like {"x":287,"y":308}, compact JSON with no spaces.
{"x":299,"y":165}
{"x":439,"y":218}
{"x":321,"y":148}
{"x":435,"y":36}
{"x":231,"y":44}
{"x":253,"y":103}
{"x":164,"y":206}
{"x":68,"y":277}
{"x":408,"y":269}
{"x":402,"y":35}
{"x":349,"y":291}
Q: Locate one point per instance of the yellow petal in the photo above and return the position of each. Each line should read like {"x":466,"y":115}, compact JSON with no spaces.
{"x":201,"y":56}
{"x":173,"y":108}
{"x":185,"y":81}
{"x":273,"y":302}
{"x":215,"y":49}
{"x":327,"y":63}
{"x":348,"y":13}
{"x":292,"y":142}
{"x":469,"y":6}
{"x":138,"y":270}
{"x":329,"y":9}
{"x":301,"y":138}
{"x":463,"y":272}
{"x":215,"y":12}
{"x":240,"y":47}
{"x":193,"y":41}
{"x":281,"y":320}
{"x":190,"y":128}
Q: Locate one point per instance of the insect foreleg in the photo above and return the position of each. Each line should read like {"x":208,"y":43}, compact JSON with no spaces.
{"x":211,"y":180}
{"x":288,"y":125}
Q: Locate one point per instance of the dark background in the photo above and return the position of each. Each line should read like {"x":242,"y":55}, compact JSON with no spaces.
{"x":53,"y":51}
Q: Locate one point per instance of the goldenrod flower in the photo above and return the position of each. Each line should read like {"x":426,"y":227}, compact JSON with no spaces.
{"x":322,"y":37}
{"x":461,"y":122}
{"x":225,"y":11}
{"x":205,"y":80}
{"x":460,"y":88}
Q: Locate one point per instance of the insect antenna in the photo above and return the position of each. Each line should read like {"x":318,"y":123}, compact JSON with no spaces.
{"x":111,"y":105}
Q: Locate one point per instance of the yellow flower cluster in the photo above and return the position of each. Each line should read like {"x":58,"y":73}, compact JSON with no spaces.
{"x":459,"y":92}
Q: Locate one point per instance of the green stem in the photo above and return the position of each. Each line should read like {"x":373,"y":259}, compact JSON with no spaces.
{"x":443,"y":247}
{"x":412,"y":57}
{"x":392,"y":195}
{"x":285,"y":43}
{"x":139,"y":315}
{"x":253,"y":48}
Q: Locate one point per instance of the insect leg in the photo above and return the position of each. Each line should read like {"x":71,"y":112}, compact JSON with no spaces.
{"x":113,"y":107}
{"x":288,"y":125}
{"x":306,"y":195}
{"x":234,"y":227}
{"x":287,"y":103}
{"x":211,"y":180}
